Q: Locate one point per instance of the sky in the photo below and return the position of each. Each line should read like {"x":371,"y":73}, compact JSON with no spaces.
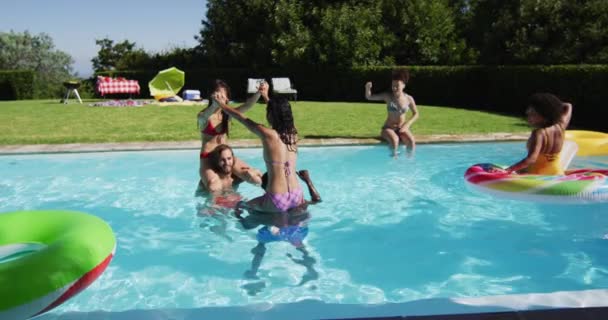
{"x":74,"y":25}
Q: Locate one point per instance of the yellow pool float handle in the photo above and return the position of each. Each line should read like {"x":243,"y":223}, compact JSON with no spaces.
{"x":590,"y":143}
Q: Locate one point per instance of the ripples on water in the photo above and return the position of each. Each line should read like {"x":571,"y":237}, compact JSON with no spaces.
{"x":387,"y":230}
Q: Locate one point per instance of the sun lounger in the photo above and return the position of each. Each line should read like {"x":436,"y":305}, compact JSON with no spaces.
{"x":283,"y":86}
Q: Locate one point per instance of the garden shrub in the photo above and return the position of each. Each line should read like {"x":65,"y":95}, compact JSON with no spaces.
{"x":16,"y":84}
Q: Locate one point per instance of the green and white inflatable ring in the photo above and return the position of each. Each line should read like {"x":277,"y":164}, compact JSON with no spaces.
{"x":47,"y":257}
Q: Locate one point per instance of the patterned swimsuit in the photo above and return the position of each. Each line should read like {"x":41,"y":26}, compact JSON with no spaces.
{"x":288,"y":200}
{"x":391,"y":106}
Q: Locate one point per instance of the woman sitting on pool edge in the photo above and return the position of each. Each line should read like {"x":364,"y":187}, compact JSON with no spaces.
{"x":280,"y":154}
{"x":549,"y":117}
{"x":213,"y":124}
{"x":397,"y":104}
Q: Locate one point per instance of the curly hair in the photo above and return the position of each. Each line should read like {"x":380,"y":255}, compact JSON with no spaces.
{"x":278,"y":113}
{"x":547,"y":106}
{"x":401,"y":74}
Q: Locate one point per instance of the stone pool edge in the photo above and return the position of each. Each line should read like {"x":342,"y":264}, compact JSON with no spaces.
{"x":253,"y":143}
{"x":508,"y":307}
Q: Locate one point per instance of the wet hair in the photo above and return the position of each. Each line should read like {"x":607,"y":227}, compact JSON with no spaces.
{"x":401,"y":74}
{"x":278,"y":111}
{"x":214,"y":156}
{"x":547,"y":106}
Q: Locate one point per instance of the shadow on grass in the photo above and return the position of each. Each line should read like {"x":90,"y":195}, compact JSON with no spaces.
{"x":71,"y":101}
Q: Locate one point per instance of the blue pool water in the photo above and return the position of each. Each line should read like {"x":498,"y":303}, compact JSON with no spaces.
{"x":388,"y":230}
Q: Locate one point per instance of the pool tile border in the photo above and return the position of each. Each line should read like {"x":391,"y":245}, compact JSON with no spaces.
{"x":195,"y":144}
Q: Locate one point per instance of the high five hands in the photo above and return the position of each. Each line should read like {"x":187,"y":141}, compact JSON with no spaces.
{"x":263,"y":90}
{"x":219,"y":97}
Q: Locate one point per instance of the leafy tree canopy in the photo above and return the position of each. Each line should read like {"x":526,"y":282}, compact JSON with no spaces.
{"x":25,"y":51}
{"x":343,"y":33}
{"x":120,"y":56}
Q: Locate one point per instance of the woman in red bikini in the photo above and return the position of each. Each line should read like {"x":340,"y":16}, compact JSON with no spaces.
{"x":213,"y":123}
{"x":280,"y":150}
{"x":397,"y":105}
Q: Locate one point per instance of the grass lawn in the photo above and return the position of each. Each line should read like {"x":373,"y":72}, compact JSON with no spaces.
{"x":48,"y":121}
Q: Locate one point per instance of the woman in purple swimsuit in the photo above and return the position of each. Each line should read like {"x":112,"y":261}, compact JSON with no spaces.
{"x":280,"y":154}
{"x":397,"y":105}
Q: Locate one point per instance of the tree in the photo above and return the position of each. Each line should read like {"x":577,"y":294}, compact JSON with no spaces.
{"x":291,"y":39}
{"x":556,"y":32}
{"x":539,"y":31}
{"x":426,"y":33}
{"x":237,"y":33}
{"x":351,"y":35}
{"x":120,"y":56}
{"x":259,"y":33}
{"x":24,"y":51}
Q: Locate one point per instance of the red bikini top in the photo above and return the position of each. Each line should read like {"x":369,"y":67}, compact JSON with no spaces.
{"x":211,"y":131}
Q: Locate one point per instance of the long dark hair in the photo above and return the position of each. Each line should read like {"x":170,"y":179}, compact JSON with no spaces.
{"x":278,"y":113}
{"x":218,"y":84}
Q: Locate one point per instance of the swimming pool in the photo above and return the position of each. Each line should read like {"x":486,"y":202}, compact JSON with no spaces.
{"x":388,"y":231}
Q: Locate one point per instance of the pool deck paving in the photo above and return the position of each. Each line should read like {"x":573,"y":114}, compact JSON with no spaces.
{"x":253,"y":143}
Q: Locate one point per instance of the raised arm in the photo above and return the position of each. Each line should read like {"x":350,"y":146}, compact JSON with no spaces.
{"x":373,"y":97}
{"x":566,"y":115}
{"x":258,"y":129}
{"x":414,"y":109}
{"x":536,"y":145}
{"x":204,"y":114}
{"x":262,"y":92}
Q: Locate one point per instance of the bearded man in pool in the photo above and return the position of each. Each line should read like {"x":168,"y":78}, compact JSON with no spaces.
{"x":223,"y":186}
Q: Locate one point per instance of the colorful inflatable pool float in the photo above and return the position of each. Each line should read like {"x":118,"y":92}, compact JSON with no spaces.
{"x":47,"y":257}
{"x":590,"y":143}
{"x":576,"y":186}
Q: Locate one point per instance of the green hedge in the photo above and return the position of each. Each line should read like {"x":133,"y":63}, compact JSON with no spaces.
{"x":503,"y":89}
{"x":16,"y":85}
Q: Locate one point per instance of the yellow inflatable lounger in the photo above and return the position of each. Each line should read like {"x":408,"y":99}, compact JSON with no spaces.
{"x":590,"y":143}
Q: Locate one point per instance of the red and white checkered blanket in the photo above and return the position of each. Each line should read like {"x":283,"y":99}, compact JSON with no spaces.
{"x":107,"y":85}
